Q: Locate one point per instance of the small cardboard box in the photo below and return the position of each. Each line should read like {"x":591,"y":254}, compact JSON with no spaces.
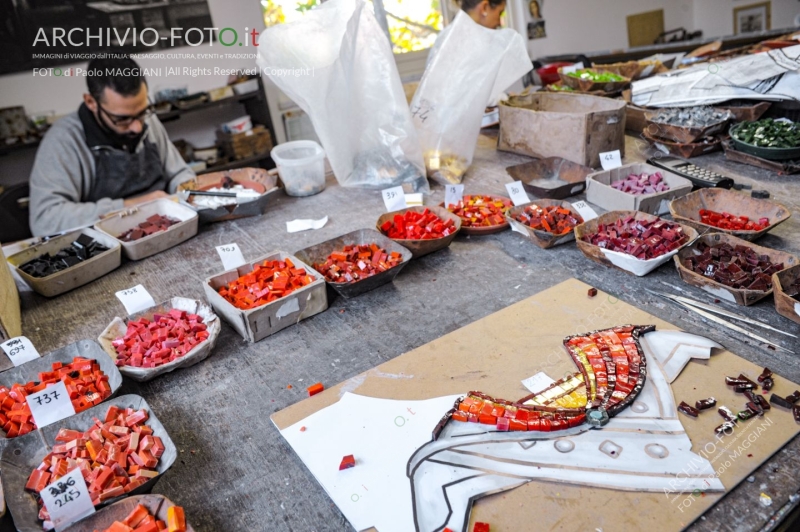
{"x":600,"y":192}
{"x":576,"y":127}
{"x":258,"y":323}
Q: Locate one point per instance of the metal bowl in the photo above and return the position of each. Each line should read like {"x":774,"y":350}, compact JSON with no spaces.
{"x":543,"y":239}
{"x":478,"y":231}
{"x":197,"y":354}
{"x":420,"y":248}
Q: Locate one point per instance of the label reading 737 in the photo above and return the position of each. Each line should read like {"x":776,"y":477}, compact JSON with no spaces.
{"x":50,"y":405}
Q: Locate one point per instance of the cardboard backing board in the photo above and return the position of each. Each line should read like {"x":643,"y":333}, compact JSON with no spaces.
{"x":495,"y":353}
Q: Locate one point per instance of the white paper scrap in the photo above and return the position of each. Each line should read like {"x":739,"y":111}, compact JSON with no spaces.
{"x":304,"y":225}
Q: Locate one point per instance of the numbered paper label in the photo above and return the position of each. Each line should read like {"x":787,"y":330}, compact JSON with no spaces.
{"x":538,"y":383}
{"x":19,"y":350}
{"x":610,"y":160}
{"x":136,"y":299}
{"x":517,"y":193}
{"x":453,"y":194}
{"x":67,"y":500}
{"x":50,"y":405}
{"x":586,"y":212}
{"x":231,"y":256}
{"x":394,"y":198}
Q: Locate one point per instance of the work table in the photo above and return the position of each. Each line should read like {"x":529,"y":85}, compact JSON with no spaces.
{"x":235,"y":472}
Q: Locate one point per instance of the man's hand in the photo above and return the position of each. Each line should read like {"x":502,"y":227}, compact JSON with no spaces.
{"x":130,"y":202}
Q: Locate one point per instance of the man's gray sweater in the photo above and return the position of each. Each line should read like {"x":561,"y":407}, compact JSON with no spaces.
{"x":64,"y":172}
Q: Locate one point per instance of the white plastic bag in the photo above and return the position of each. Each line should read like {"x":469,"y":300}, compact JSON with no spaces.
{"x":337,"y":64}
{"x":469,"y":66}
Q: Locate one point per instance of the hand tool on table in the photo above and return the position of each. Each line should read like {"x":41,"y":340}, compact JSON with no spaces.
{"x":705,"y":310}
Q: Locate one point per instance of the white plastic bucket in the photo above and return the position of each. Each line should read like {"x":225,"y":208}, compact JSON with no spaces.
{"x":301,"y":165}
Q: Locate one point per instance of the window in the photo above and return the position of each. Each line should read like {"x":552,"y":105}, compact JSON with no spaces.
{"x":412,"y":24}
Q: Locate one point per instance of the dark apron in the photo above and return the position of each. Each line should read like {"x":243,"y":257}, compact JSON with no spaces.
{"x":119,"y":174}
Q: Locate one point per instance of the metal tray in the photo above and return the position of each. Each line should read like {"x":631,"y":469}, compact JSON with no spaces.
{"x":117,"y":224}
{"x":200,"y":352}
{"x":22,"y":455}
{"x":744,"y":110}
{"x":685,"y":151}
{"x":157,"y":505}
{"x":785,"y":304}
{"x":719,"y":290}
{"x":771,"y":154}
{"x":624,"y":262}
{"x":551,"y":177}
{"x":680,"y":134}
{"x":779,"y":167}
{"x":420,"y":248}
{"x":543,"y":239}
{"x":256,"y":207}
{"x":29,"y":371}
{"x":82,"y":273}
{"x":687,"y":210}
{"x":320,"y":252}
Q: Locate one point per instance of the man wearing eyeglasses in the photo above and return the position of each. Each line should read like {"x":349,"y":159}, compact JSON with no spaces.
{"x":110,"y":154}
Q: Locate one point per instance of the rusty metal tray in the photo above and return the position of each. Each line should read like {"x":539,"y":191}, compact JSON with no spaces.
{"x":551,"y":177}
{"x":687,"y":210}
{"x":319,"y":252}
{"x":420,"y":248}
{"x":687,"y":150}
{"x":681,"y":134}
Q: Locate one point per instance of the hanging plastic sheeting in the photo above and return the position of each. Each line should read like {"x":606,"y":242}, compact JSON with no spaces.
{"x":337,"y":64}
{"x":469,"y":66}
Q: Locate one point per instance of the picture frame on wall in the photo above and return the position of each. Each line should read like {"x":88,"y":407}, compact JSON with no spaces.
{"x":752,"y":18}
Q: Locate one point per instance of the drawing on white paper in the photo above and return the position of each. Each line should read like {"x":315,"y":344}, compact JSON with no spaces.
{"x":611,"y":424}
